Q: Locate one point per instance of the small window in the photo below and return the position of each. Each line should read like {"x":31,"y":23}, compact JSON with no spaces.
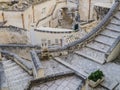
{"x":49,"y":42}
{"x":43,"y":10}
{"x":56,"y":41}
{"x":42,"y":44}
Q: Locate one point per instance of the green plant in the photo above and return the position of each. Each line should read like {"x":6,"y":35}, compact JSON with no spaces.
{"x":94,"y":76}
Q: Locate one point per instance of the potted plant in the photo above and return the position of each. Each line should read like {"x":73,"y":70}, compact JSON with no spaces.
{"x":95,"y":78}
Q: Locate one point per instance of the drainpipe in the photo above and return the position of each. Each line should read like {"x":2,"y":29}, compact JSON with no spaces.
{"x":33,"y":13}
{"x":3,"y":16}
{"x":22,"y":15}
{"x":89,"y":9}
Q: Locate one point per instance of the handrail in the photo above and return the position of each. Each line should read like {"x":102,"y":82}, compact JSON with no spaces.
{"x":95,"y":31}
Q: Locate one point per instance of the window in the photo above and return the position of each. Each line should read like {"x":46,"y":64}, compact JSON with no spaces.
{"x":49,"y":42}
{"x":43,"y":41}
{"x":43,"y":10}
{"x":56,"y":41}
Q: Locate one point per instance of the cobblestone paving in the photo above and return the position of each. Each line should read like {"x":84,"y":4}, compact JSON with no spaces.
{"x":111,"y":70}
{"x":68,"y":83}
{"x":52,"y":67}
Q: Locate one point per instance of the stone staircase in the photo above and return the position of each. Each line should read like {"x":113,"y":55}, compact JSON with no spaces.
{"x":17,"y":78}
{"x":3,"y":81}
{"x":97,"y":49}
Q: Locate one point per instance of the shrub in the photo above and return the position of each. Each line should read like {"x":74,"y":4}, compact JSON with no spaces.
{"x":96,"y":75}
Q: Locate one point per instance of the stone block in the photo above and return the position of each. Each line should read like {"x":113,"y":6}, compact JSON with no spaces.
{"x":40,"y":73}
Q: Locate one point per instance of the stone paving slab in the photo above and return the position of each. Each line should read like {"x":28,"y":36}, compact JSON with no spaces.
{"x":109,"y":84}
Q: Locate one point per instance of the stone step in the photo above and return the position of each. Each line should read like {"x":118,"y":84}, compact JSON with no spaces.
{"x":10,"y":73}
{"x":98,"y":46}
{"x":12,"y":68}
{"x":17,"y":87}
{"x":18,"y":76}
{"x":117,"y":15}
{"x":18,"y":81}
{"x":113,"y":27}
{"x":115,"y":21}
{"x":110,"y":33}
{"x":92,"y":55}
{"x":3,"y":79}
{"x":10,"y":65}
{"x":105,"y":40}
{"x":7,"y":62}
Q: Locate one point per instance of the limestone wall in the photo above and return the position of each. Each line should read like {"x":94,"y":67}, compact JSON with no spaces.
{"x":11,"y":36}
{"x":13,"y":18}
{"x":24,"y":19}
{"x":50,"y":38}
{"x":84,"y":7}
{"x":5,"y":0}
{"x":28,"y":18}
{"x":43,"y":9}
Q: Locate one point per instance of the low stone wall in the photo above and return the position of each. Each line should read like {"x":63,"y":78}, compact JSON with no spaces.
{"x":38,"y":68}
{"x":11,"y":34}
{"x":39,"y":81}
{"x":114,"y":51}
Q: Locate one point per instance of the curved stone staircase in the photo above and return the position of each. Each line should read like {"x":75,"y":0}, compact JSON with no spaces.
{"x":97,"y":49}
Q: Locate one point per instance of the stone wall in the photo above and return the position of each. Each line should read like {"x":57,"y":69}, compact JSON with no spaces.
{"x":84,"y":7}
{"x":12,"y":35}
{"x":33,"y":14}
